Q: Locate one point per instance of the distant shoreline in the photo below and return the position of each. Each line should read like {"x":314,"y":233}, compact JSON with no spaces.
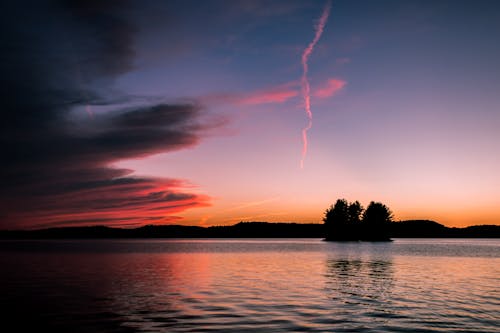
{"x":402,"y":229}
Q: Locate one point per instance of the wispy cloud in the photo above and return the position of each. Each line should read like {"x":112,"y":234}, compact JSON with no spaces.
{"x":253,"y":203}
{"x":330,"y":88}
{"x":272,"y":95}
{"x":277,"y":95}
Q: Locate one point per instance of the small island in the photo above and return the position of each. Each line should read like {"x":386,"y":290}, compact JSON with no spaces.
{"x":346,"y":221}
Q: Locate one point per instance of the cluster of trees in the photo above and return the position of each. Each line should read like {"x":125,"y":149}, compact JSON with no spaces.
{"x":349,"y":221}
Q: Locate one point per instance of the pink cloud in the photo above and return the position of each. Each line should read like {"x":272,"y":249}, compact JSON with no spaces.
{"x":277,"y":94}
{"x":274,"y":95}
{"x":330,"y":88}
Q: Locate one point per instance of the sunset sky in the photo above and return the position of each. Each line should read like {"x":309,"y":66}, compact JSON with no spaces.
{"x":193,"y":112}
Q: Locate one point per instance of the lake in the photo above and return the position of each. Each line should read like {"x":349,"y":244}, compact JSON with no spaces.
{"x":250,"y":285}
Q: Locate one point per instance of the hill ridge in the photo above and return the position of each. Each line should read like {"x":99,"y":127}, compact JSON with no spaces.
{"x":251,"y":229}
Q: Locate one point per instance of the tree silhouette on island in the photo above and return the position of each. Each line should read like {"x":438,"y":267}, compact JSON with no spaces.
{"x":346,"y":221}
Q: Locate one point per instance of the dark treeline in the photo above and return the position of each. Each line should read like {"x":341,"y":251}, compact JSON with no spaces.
{"x":403,"y":229}
{"x":346,"y":221}
{"x":239,"y":230}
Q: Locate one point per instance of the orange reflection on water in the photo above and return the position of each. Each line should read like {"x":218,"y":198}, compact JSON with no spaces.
{"x":446,"y":283}
{"x":282,"y":285}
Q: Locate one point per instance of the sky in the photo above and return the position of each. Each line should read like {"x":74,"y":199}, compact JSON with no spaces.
{"x":127,"y":113}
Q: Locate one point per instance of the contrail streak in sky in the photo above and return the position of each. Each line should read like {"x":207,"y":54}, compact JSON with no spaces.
{"x":88,"y":109}
{"x":306,"y":89}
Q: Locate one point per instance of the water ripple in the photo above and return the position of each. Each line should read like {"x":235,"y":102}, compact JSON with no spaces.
{"x":284,"y":286}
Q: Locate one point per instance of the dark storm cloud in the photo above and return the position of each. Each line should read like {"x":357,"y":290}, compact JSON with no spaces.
{"x":58,"y":56}
{"x":103,"y":31}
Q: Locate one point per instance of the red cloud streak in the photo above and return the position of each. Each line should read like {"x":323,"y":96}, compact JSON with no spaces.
{"x":135,"y":201}
{"x":72,"y":181}
{"x":277,"y":94}
{"x":330,"y":88}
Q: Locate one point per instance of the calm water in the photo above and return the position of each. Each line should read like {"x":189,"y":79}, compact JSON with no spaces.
{"x":286,"y":285}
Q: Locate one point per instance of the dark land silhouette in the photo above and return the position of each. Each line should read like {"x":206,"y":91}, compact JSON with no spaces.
{"x":346,"y":221}
{"x":402,"y":229}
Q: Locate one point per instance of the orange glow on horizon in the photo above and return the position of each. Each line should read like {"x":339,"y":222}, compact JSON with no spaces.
{"x":276,"y":212}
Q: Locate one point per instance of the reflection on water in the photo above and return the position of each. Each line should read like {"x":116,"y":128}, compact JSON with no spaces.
{"x":360,"y":279}
{"x":251,"y":285}
{"x":361,"y":291}
{"x":359,"y":282}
